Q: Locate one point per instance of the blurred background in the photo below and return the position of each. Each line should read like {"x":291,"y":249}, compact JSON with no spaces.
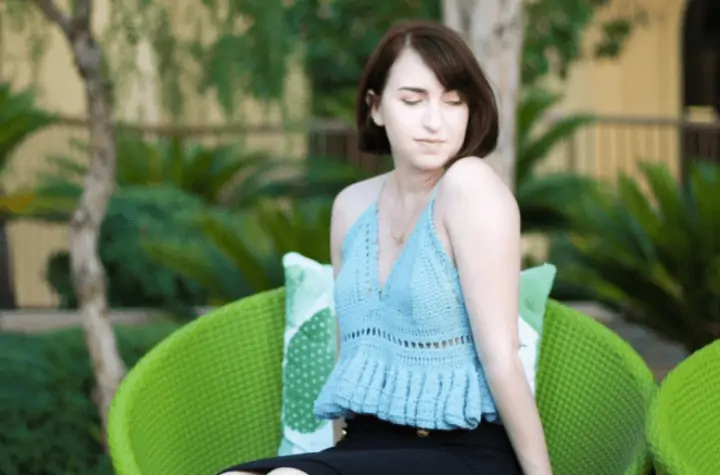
{"x":235,"y":132}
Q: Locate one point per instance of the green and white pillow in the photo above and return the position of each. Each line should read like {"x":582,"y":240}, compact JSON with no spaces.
{"x":535,"y":286}
{"x":310,"y":341}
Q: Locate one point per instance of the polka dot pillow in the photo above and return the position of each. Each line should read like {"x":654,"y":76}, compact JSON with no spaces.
{"x":310,"y":341}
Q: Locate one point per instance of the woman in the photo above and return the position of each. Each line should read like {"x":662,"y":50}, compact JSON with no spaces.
{"x":427,"y":266}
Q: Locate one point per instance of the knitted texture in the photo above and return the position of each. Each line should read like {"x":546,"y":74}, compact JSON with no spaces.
{"x":407,"y":353}
{"x":684,"y":423}
{"x":594,"y":393}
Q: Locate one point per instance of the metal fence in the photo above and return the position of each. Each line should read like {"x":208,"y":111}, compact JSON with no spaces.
{"x":601,"y":149}
{"x":611,"y":145}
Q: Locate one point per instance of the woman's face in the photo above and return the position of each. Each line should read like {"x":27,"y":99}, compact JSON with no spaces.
{"x":425,"y":124}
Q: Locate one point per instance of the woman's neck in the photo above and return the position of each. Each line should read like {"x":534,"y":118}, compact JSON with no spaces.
{"x":410,"y":186}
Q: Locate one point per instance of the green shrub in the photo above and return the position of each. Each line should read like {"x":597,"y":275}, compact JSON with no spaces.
{"x":133,"y":279}
{"x":50,"y":425}
{"x":653,"y":256}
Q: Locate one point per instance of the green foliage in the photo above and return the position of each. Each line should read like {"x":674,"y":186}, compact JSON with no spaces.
{"x":162,"y":186}
{"x":544,"y":199}
{"x":339,"y":36}
{"x":207,"y":172}
{"x":50,"y":425}
{"x":555,"y":31}
{"x":312,"y":177}
{"x":136,"y":213}
{"x":656,"y":257}
{"x":240,"y":253}
{"x":224,"y":175}
{"x":19,"y":118}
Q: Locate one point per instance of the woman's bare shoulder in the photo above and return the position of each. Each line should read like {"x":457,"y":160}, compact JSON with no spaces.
{"x":354,"y":199}
{"x":347,"y":208}
{"x":472,"y":184}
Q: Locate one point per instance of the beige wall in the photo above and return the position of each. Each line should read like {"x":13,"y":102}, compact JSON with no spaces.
{"x":645,"y":81}
{"x":61,"y":91}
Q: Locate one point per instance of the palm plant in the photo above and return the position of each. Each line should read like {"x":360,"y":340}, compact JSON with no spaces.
{"x":159,"y":182}
{"x":222,"y":177}
{"x":225,"y":175}
{"x":240,"y":253}
{"x":544,"y":199}
{"x":206,"y":172}
{"x":655,"y":258}
{"x":135,"y":280}
{"x":19,"y":119}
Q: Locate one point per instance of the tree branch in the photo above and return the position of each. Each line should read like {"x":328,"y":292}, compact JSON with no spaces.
{"x":53,"y":13}
{"x":82,"y":10}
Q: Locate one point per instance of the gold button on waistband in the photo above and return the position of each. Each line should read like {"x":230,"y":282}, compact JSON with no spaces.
{"x":422,"y":433}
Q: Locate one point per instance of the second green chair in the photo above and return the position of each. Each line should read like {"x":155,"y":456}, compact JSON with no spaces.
{"x":684,"y":422}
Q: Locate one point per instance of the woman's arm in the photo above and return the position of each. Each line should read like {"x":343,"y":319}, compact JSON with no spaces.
{"x":338,"y":228}
{"x":482,"y":221}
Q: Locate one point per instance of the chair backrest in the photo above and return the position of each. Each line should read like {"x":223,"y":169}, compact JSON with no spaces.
{"x":206,"y":397}
{"x":684,"y":422}
{"x":209,"y":395}
{"x":593,"y":395}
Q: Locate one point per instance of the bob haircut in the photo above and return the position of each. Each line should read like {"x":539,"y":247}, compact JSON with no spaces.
{"x":455,"y":66}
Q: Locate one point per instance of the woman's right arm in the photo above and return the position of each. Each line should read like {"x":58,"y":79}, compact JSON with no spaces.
{"x":338,"y":229}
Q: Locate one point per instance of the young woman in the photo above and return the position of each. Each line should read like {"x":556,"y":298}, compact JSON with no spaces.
{"x":427,"y":265}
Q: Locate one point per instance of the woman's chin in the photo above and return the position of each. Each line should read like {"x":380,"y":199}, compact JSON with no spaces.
{"x":429,"y":161}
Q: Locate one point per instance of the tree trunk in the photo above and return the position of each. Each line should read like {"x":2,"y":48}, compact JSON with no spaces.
{"x":494,"y":31}
{"x":88,"y":273}
{"x":7,"y":288}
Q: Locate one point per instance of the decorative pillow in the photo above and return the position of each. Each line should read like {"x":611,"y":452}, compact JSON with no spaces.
{"x":310,"y":341}
{"x":535,"y":286}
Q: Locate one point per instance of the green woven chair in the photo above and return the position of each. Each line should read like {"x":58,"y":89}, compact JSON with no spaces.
{"x":684,"y":422}
{"x":208,"y":396}
{"x":593,"y":394}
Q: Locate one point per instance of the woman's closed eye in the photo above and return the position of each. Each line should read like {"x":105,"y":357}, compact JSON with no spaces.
{"x":453,"y":101}
{"x":411,"y":101}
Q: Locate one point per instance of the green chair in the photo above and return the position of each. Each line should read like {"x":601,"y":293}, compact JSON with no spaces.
{"x":683,"y":426}
{"x":593,"y":393}
{"x":208,"y":396}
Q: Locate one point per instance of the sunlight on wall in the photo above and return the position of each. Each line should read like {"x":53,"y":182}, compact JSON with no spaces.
{"x":645,"y":81}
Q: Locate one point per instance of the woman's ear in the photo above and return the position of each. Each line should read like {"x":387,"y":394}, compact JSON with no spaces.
{"x":373,"y":102}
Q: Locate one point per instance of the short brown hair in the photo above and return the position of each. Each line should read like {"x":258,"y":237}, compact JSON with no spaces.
{"x":455,"y":66}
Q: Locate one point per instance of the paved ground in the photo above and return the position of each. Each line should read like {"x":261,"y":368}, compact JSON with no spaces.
{"x":661,"y":356}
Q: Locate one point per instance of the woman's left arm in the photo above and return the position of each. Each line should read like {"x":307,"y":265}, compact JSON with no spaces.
{"x":482,"y":221}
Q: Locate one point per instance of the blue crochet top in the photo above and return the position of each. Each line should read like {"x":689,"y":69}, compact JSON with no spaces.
{"x":406,"y":354}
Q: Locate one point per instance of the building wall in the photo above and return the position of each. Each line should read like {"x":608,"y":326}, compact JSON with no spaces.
{"x":646,"y":81}
{"x":61,"y":91}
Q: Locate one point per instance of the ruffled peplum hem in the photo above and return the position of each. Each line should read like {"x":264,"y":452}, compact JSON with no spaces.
{"x":404,"y":393}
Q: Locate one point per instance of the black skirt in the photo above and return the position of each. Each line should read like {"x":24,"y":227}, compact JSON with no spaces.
{"x":376,"y":447}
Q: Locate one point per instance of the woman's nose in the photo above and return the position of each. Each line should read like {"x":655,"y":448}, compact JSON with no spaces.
{"x":432,"y":117}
